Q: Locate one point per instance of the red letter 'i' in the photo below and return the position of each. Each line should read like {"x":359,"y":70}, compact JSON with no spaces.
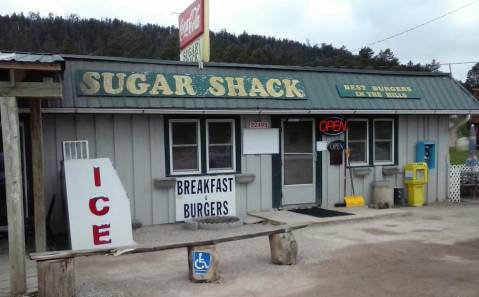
{"x":96,"y":174}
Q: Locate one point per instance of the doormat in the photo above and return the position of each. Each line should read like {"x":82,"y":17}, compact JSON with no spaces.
{"x":320,"y":212}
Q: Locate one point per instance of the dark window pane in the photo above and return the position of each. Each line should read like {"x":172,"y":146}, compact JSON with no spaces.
{"x":383,"y":130}
{"x":219,"y":133}
{"x":357,"y":130}
{"x":298,"y":137}
{"x":298,"y":169}
{"x":383,"y":151}
{"x":185,"y":158}
{"x":357,"y":152}
{"x":184,"y":133}
{"x":220,"y":157}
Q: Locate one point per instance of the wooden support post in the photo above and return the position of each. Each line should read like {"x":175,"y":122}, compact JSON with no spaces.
{"x":56,"y":278}
{"x":284,"y":248}
{"x":13,"y":182}
{"x":203,"y":263}
{"x":37,"y":173}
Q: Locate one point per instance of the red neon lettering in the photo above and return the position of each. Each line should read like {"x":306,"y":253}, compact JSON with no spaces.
{"x":323,"y":126}
{"x":94,"y":209}
{"x":96,"y":175}
{"x":98,"y":233}
{"x":336,"y":126}
{"x":329,"y":126}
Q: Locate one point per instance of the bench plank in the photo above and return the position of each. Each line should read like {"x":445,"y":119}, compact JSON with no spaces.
{"x":145,"y":248}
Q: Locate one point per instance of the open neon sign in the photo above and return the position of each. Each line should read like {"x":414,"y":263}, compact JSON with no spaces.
{"x":333,"y":126}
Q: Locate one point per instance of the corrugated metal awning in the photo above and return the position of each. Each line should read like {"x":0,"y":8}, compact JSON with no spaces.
{"x":30,"y":58}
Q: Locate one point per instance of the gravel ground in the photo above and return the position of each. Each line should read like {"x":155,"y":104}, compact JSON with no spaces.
{"x":432,"y":252}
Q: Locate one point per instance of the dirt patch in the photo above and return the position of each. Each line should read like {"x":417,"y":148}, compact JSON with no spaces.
{"x":391,"y":225}
{"x":397,"y":268}
{"x":426,"y":230}
{"x":400,"y":268}
{"x":377,"y":231}
{"x":474,"y":243}
{"x":432,"y":218}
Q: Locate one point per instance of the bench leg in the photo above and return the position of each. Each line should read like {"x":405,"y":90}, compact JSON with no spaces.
{"x":284,"y":248}
{"x":203,"y":263}
{"x":56,"y":278}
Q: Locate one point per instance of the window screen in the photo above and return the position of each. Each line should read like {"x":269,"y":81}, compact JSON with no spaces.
{"x":358,"y":141}
{"x":383,"y":141}
{"x":185,"y":146}
{"x":220,"y":142}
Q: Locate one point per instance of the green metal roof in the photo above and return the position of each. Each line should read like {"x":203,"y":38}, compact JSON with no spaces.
{"x":438,"y":91}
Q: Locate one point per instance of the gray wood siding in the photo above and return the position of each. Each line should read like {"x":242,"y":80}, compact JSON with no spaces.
{"x":136,"y":146}
{"x":411,"y":129}
{"x":258,"y":194}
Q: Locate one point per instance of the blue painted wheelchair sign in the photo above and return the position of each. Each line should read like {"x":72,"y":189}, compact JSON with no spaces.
{"x":201,"y":262}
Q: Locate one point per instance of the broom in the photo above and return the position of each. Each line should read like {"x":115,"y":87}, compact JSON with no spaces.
{"x":351,"y":201}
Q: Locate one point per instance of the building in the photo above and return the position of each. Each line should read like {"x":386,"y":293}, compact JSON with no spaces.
{"x":162,"y":121}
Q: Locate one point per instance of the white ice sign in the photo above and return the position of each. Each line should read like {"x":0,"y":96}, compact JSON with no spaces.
{"x":98,"y":208}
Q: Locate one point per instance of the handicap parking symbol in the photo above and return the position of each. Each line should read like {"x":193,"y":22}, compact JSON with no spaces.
{"x":201,"y":262}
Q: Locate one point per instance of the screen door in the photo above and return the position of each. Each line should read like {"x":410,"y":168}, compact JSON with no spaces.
{"x":298,"y":161}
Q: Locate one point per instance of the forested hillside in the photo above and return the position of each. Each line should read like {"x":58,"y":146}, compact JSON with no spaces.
{"x":113,"y":37}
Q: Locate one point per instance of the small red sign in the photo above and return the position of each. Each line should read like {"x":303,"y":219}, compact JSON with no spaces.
{"x":191,"y":23}
{"x":333,"y":126}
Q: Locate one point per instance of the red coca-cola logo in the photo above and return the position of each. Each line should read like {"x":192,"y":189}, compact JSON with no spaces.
{"x":333,"y":126}
{"x":191,"y":23}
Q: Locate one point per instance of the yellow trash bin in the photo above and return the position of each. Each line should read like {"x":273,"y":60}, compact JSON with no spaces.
{"x":415,"y":177}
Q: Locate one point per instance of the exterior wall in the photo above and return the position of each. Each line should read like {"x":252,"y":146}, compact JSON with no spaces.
{"x":258,"y":194}
{"x":411,"y":129}
{"x":135,"y":145}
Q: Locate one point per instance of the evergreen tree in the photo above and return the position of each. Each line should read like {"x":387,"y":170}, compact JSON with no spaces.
{"x":113,"y":37}
{"x":472,"y":80}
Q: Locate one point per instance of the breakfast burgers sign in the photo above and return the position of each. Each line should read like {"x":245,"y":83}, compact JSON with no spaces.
{"x":205,"y":196}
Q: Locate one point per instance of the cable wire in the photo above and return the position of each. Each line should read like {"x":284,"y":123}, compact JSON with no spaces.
{"x":420,"y":25}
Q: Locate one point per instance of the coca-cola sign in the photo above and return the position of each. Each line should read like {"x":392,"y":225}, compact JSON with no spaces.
{"x":191,"y":23}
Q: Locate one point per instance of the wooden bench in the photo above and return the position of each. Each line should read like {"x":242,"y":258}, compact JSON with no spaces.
{"x":56,"y":271}
{"x":470,"y":179}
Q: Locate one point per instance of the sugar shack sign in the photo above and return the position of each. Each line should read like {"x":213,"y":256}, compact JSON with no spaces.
{"x":205,"y":196}
{"x":152,"y":84}
{"x":377,"y":91}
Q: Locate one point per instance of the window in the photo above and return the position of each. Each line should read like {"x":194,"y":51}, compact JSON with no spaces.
{"x":202,"y":146}
{"x":184,"y":147}
{"x":383,"y":141}
{"x":220,"y":145}
{"x":357,"y":141}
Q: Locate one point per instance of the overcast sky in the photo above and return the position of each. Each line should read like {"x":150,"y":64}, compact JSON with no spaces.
{"x":352,"y":23}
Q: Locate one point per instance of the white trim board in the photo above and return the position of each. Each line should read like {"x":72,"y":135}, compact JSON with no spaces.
{"x":251,"y":111}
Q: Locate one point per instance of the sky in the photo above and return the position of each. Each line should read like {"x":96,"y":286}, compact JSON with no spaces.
{"x":352,"y":23}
